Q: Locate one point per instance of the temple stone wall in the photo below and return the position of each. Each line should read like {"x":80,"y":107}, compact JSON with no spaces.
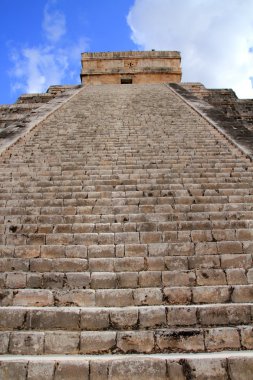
{"x":136,"y":67}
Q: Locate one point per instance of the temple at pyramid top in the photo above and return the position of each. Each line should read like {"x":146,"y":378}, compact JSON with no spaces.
{"x":131,"y":67}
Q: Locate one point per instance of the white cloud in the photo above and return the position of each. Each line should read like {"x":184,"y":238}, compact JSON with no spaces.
{"x":213,"y":36}
{"x":35,"y":68}
{"x":54,"y":22}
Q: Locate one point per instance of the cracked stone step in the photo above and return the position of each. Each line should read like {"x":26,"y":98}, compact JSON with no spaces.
{"x":221,"y":366}
{"x":97,"y":342}
{"x":128,"y":318}
{"x":127,"y":297}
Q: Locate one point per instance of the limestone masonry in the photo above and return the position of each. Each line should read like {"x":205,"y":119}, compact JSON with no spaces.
{"x":131,"y":67}
{"x":126,"y":227}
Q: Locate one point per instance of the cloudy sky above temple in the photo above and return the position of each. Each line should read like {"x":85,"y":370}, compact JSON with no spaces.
{"x":41,"y":40}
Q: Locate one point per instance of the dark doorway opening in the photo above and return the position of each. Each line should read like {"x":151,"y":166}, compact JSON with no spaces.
{"x":126,"y":81}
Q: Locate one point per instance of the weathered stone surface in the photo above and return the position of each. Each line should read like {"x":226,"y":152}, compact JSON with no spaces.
{"x":40,"y":370}
{"x":124,"y":318}
{"x":135,"y":341}
{"x":181,"y":340}
{"x":94,"y":343}
{"x":10,"y":370}
{"x":222,"y":339}
{"x":72,"y":370}
{"x":99,"y":370}
{"x":211,"y":369}
{"x":138,"y":369}
{"x":240,"y":368}
{"x":152,"y":317}
{"x":26,"y":343}
{"x":175,"y":371}
{"x":62,"y":342}
{"x":54,"y":319}
{"x":94,"y":319}
{"x":4,"y":342}
{"x":118,"y":237}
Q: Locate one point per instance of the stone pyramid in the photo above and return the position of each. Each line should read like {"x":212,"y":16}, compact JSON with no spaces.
{"x":126,"y":237}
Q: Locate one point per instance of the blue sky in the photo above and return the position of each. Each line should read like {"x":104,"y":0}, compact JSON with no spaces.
{"x":41,"y":40}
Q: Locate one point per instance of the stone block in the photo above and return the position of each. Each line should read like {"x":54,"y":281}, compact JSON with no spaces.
{"x":213,"y":315}
{"x":76,"y":251}
{"x":99,"y":370}
{"x":136,"y":341}
{"x":211,"y":277}
{"x":76,"y":297}
{"x":40,"y":370}
{"x":10,"y":319}
{"x":150,"y":279}
{"x":177,"y":295}
{"x":53,"y":280}
{"x":147,"y":296}
{"x":16,"y":280}
{"x":175,"y":371}
{"x":13,"y":370}
{"x":94,"y":319}
{"x":206,"y":248}
{"x":138,"y":369}
{"x":208,"y":369}
{"x":101,"y":251}
{"x":68,"y":370}
{"x":211,"y":294}
{"x":179,"y":278}
{"x":242,"y":294}
{"x":180,"y":340}
{"x":247,"y":337}
{"x":77,"y":280}
{"x":218,"y":339}
{"x":152,"y":317}
{"x":135,"y":250}
{"x":4,"y":342}
{"x":103,"y":280}
{"x":52,"y":251}
{"x":96,"y":343}
{"x":155,"y":263}
{"x":124,"y":318}
{"x":229,"y":247}
{"x":127,"y":280}
{"x":158,"y":249}
{"x":66,"y":319}
{"x":236,"y":261}
{"x":176,"y":263}
{"x":240,"y":368}
{"x":237,"y":276}
{"x":181,"y":316}
{"x":129,"y":264}
{"x":62,"y":342}
{"x":114,"y":297}
{"x":26,"y":343}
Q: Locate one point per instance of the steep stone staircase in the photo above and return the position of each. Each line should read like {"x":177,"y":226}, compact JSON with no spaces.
{"x":126,"y":243}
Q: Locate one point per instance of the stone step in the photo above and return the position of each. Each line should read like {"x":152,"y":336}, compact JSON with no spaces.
{"x":125,"y":297}
{"x":159,"y":204}
{"x":59,"y":225}
{"x":92,"y":279}
{"x":167,"y":213}
{"x":214,"y":219}
{"x":233,"y":365}
{"x":127,"y":318}
{"x":166,"y":241}
{"x":119,"y":246}
{"x":123,"y":342}
{"x":110,"y":258}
